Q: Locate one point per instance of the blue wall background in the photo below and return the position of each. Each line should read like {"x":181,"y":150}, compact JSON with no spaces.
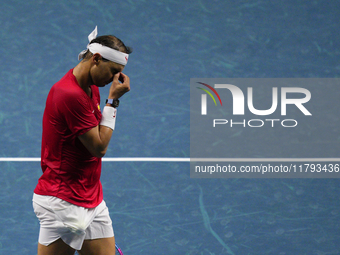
{"x":155,"y":207}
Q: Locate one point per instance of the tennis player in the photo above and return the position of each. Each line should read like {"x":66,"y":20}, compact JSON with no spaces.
{"x":68,"y":199}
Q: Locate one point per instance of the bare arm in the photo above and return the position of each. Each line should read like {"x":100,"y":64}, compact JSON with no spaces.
{"x":97,"y":139}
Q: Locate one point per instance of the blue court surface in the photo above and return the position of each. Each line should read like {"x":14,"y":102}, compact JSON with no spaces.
{"x":156,"y":208}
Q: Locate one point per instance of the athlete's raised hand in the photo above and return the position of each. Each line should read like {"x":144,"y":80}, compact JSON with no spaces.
{"x":120,"y":85}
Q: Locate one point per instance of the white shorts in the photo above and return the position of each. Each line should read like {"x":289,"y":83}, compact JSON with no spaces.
{"x":72,"y":223}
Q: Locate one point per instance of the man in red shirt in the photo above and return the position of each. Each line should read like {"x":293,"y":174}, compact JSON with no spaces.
{"x":68,"y":199}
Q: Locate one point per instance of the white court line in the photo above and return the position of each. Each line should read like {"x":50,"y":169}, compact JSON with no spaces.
{"x":147,"y":159}
{"x":265,"y":159}
{"x":154,"y":159}
{"x":17,"y":159}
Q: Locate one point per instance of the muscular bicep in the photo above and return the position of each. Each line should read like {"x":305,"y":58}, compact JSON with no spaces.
{"x":96,"y":140}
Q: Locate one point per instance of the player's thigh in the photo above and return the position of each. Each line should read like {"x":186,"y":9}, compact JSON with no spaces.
{"x":102,"y":246}
{"x":56,"y":248}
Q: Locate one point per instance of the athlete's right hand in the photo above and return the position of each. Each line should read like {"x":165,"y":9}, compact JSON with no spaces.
{"x":119,"y":86}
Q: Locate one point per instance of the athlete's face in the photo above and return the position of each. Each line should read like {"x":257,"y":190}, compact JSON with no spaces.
{"x":103,"y":71}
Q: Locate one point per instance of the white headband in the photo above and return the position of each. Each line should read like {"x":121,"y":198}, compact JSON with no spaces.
{"x":106,"y":52}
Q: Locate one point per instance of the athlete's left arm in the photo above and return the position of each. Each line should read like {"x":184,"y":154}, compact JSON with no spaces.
{"x":97,"y":139}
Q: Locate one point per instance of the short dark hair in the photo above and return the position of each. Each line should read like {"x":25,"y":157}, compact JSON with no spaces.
{"x":111,"y":42}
